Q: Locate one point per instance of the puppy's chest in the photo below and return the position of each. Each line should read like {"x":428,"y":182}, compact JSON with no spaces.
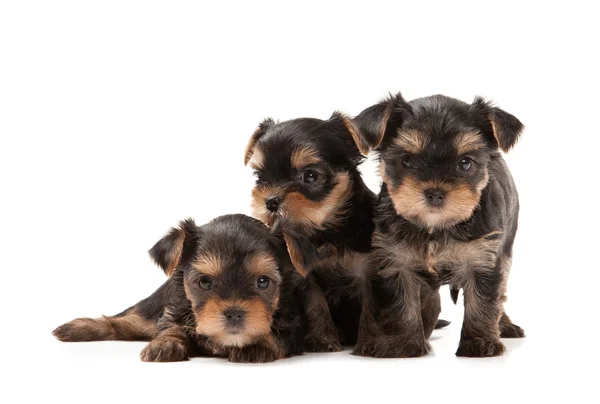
{"x":447,"y":258}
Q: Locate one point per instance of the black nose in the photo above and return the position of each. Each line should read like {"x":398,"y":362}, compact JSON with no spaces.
{"x":273,"y":203}
{"x":234,"y":316}
{"x":435,"y":197}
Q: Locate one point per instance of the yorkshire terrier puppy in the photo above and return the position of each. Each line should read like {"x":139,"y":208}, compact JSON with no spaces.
{"x":232,"y":292}
{"x":308,"y":184}
{"x":447,"y":214}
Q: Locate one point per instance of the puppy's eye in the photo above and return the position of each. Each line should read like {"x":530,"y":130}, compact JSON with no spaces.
{"x":407,"y":162}
{"x":310,"y":176}
{"x":205,"y":282}
{"x":263,"y":282}
{"x":465,"y":164}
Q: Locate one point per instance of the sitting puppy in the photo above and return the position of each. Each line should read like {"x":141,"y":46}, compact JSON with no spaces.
{"x":231,"y":292}
{"x":308,"y":184}
{"x":447,"y":214}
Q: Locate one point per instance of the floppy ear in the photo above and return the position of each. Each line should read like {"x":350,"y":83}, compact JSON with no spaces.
{"x":303,"y":254}
{"x":258,"y":133}
{"x":504,"y":127}
{"x":347,"y":127}
{"x":176,"y":247}
{"x":372,"y":123}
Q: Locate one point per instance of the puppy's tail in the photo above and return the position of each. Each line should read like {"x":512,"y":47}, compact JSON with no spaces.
{"x":126,"y":326}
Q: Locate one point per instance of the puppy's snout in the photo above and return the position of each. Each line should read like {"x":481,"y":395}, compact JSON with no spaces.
{"x":435,"y":197}
{"x":273,"y":203}
{"x":234,"y":316}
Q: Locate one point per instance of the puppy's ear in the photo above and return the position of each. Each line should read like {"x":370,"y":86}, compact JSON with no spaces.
{"x":347,"y":127}
{"x":176,"y":247}
{"x":303,"y":254}
{"x":503,"y":127}
{"x":258,"y":133}
{"x":372,"y":123}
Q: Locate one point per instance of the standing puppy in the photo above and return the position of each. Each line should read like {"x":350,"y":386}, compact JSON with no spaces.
{"x":447,"y":214}
{"x":308,"y":183}
{"x":232,"y":292}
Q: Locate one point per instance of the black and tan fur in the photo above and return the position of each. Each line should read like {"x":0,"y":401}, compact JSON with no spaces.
{"x":447,"y":214}
{"x":309,"y":168}
{"x":231,"y":292}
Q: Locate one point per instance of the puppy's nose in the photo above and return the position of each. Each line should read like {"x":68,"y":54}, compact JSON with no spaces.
{"x":234,"y":316}
{"x":435,"y":197}
{"x":273,"y":203}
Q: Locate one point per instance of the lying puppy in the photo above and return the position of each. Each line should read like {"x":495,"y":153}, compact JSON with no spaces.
{"x":447,"y":214}
{"x":231,"y":292}
{"x":308,"y":184}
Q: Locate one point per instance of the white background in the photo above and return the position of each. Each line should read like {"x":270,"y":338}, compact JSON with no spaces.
{"x":118,"y":118}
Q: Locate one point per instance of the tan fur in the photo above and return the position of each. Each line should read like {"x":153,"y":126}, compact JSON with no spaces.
{"x":457,"y":256}
{"x":211,"y":321}
{"x":467,"y":142}
{"x":129,"y":327}
{"x":410,"y":202}
{"x":175,"y":253}
{"x":304,"y":156}
{"x":250,"y":148}
{"x":296,"y":256}
{"x":259,"y":196}
{"x":411,"y":140}
{"x":317,"y":215}
{"x":383,"y":123}
{"x":257,"y":161}
{"x":209,"y":264}
{"x":263,"y":264}
{"x":355,"y":134}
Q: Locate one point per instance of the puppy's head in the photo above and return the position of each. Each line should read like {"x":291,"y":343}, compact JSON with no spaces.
{"x":435,"y":153}
{"x":232,"y":275}
{"x":302,"y":169}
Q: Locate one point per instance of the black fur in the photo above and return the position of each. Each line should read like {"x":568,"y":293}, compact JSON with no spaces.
{"x":424,"y":144}
{"x":169,"y":317}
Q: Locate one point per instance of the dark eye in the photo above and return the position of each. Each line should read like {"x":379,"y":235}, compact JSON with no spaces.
{"x":407,"y":162}
{"x":310,"y":176}
{"x":465,"y":164}
{"x":205,"y":282}
{"x":263,"y":282}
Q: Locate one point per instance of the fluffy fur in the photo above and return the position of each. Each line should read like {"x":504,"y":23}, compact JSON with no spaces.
{"x":447,"y":214}
{"x":309,"y":186}
{"x":232,"y":292}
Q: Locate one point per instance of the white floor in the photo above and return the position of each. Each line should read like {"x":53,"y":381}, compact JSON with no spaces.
{"x":537,"y":367}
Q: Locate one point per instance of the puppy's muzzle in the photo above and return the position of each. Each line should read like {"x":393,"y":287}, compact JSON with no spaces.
{"x":435,"y":197}
{"x":272,"y":203}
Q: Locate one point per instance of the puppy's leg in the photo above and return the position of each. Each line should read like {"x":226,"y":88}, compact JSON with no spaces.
{"x":127,"y":326}
{"x":480,"y":336}
{"x":507,"y":328}
{"x":171,"y":343}
{"x":431,"y":307}
{"x":138,"y":323}
{"x":391,"y":324}
{"x":321,"y":335}
{"x":265,"y":350}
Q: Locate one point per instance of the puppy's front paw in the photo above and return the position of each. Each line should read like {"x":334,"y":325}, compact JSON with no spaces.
{"x":165,"y":350}
{"x":392,"y":348}
{"x":322,"y":343}
{"x":257,"y":353}
{"x":480,"y":348}
{"x":511,"y":331}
